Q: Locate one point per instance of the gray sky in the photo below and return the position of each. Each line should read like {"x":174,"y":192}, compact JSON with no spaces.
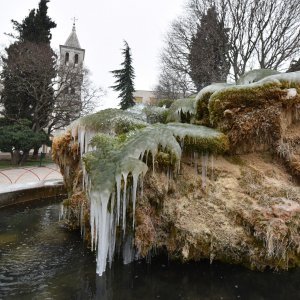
{"x":101,"y":28}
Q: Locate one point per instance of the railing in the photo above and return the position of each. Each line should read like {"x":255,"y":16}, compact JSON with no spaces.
{"x":11,"y":176}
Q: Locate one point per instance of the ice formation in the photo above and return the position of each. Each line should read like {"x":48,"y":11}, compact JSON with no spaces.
{"x":211,"y":96}
{"x":255,"y":75}
{"x":118,"y":148}
{"x":182,"y":106}
{"x":155,"y":114}
{"x":210,"y":89}
{"x":113,"y":172}
{"x":283,"y":79}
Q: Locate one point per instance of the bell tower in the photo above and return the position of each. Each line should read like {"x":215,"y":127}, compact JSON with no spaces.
{"x":71,"y":53}
{"x":71,"y":74}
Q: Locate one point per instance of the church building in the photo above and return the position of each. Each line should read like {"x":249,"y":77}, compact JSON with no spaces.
{"x":71,"y":52}
{"x":71,"y":74}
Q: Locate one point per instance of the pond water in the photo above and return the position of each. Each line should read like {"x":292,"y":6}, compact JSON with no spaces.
{"x":40,"y":259}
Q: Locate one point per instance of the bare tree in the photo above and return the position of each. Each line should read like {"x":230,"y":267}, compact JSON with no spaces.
{"x":262,"y":34}
{"x":47,"y":104}
{"x":74,"y":96}
{"x":173,"y":85}
{"x":174,"y":61}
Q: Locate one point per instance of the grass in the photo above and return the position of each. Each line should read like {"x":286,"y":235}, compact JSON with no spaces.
{"x":6,"y":164}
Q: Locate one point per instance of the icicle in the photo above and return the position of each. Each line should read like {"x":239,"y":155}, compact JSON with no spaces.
{"x":203,"y":172}
{"x":196,"y":162}
{"x":87,"y":141}
{"x":81,"y":139}
{"x":124,"y":202}
{"x":92,"y":223}
{"x":212,"y":167}
{"x":84,"y":176}
{"x":206,"y":163}
{"x":153,"y":164}
{"x":112,"y":230}
{"x":74,"y":130}
{"x":142,"y":185}
{"x":103,"y":229}
{"x":135,"y":177}
{"x":118,"y":183}
{"x":61,"y":213}
{"x":81,"y":219}
{"x":147,"y":153}
{"x":153,"y":152}
{"x":168,"y":177}
{"x":182,"y":142}
{"x":128,"y":250}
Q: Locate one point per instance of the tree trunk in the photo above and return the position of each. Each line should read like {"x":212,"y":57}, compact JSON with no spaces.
{"x":35,"y":154}
{"x":15,"y":157}
{"x":24,"y":158}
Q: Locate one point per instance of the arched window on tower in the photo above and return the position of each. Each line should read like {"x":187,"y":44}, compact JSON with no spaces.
{"x":67,"y":58}
{"x":76,"y":59}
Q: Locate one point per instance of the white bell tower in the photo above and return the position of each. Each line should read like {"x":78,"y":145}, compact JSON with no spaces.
{"x":71,"y":53}
{"x":71,"y":74}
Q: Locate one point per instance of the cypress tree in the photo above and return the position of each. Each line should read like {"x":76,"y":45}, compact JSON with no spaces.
{"x":36,"y":26}
{"x":208,"y":58}
{"x":294,"y":66}
{"x":124,"y":79}
{"x":28,"y":70}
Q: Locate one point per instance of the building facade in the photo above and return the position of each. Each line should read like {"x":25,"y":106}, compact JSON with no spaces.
{"x":144,"y":97}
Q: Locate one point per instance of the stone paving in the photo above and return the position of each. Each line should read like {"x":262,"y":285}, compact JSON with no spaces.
{"x":18,"y":178}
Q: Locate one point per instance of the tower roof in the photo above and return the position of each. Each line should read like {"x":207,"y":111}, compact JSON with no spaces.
{"x":72,"y":40}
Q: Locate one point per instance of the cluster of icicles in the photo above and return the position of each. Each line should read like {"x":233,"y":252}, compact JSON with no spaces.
{"x":114,"y":182}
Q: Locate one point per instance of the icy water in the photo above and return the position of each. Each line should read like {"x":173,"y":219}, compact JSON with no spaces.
{"x":40,"y":259}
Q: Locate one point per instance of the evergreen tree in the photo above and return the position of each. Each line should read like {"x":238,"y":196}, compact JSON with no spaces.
{"x":19,"y":138}
{"x":294,"y":66}
{"x":208,"y":58}
{"x":124,"y":80}
{"x":36,"y":26}
{"x":28,"y":70}
{"x":27,"y":74}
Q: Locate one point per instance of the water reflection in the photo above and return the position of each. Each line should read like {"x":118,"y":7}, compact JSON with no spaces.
{"x":40,"y":259}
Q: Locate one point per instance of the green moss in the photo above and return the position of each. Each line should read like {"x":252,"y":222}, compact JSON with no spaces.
{"x":111,"y":121}
{"x":67,"y":202}
{"x":165,"y":160}
{"x":165,"y":103}
{"x":156,"y":114}
{"x":202,"y":100}
{"x":202,"y":112}
{"x":200,"y":138}
{"x":182,"y":109}
{"x":248,"y":96}
{"x":106,"y":144}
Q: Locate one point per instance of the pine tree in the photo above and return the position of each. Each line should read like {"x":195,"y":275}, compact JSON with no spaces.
{"x":208,"y":58}
{"x":124,"y":80}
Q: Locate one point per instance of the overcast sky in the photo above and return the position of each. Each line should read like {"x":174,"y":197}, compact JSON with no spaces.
{"x":101,"y":28}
